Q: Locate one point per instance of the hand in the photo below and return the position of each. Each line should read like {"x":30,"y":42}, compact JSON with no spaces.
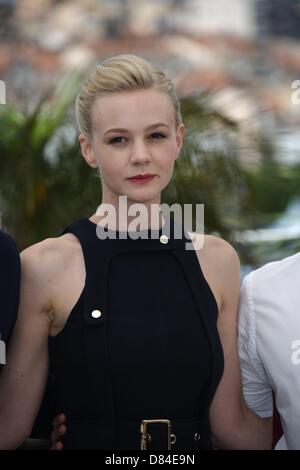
{"x":59,"y":430}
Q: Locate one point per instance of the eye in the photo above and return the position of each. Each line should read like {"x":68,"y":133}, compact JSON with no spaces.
{"x":116,"y":140}
{"x":158,"y":136}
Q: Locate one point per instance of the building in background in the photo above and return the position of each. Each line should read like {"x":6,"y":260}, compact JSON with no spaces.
{"x":245,"y":52}
{"x":278,"y":18}
{"x":217,"y":17}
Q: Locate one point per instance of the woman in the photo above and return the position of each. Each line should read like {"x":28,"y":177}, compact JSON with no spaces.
{"x":140,"y":329}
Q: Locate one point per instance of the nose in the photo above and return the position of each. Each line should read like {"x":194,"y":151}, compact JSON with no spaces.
{"x":140,"y":153}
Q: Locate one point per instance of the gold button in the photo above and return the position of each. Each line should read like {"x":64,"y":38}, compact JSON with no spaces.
{"x":163,"y":239}
{"x":96,"y":314}
{"x":196,"y":436}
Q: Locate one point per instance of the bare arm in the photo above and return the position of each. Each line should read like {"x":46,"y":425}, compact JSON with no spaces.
{"x":23,"y":378}
{"x":233,"y":424}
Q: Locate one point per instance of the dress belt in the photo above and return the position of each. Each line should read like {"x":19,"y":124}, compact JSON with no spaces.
{"x":146,"y":434}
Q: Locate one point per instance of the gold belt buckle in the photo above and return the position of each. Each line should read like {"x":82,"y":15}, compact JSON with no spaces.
{"x":146,"y":437}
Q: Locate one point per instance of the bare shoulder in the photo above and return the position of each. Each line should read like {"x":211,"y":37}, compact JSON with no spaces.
{"x":220,"y":264}
{"x":50,"y":255}
{"x":44,"y":264}
{"x":217,"y":252}
{"x":220,"y":252}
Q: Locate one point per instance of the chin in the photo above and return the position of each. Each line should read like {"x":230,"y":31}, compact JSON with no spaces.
{"x":143,"y":195}
{"x":141,"y":198}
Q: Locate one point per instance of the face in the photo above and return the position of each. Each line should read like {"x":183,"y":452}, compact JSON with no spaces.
{"x":133,"y":133}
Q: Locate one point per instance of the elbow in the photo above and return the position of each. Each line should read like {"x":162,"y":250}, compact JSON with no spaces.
{"x":220,"y":442}
{"x":225,"y":432}
{"x":11,"y":435}
{"x":12,"y":442}
{"x":237,"y":439}
{"x":222,"y":438}
{"x":216,"y":442}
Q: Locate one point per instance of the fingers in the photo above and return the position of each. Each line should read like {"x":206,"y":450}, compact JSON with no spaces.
{"x":58,"y":420}
{"x":59,"y":430}
{"x":57,"y":446}
{"x":56,"y":437}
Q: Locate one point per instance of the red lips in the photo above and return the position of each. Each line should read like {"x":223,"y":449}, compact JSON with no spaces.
{"x":145,"y":175}
{"x":140,"y":179}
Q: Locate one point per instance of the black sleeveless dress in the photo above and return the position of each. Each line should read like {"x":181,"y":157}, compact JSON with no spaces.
{"x":141,"y":343}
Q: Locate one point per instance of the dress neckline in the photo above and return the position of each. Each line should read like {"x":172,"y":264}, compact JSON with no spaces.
{"x":148,"y":231}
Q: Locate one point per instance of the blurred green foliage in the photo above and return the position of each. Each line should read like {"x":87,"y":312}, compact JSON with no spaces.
{"x":44,"y":182}
{"x":271,"y":185}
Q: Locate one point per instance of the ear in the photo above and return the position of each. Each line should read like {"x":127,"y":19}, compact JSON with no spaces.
{"x":179,"y":138}
{"x":87,"y":150}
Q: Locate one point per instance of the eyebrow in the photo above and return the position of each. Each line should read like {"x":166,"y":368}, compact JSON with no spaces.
{"x":120,"y":129}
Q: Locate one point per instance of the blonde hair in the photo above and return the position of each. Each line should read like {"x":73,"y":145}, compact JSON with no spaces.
{"x":125,"y":72}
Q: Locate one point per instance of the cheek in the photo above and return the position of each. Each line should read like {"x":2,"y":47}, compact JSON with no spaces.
{"x":108,"y":162}
{"x":112,"y":173}
{"x":168,"y":157}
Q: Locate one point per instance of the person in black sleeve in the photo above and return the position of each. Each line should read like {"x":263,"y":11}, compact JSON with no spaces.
{"x":9,"y":288}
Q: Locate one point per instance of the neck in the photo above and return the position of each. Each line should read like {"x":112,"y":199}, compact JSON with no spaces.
{"x":123,"y":213}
